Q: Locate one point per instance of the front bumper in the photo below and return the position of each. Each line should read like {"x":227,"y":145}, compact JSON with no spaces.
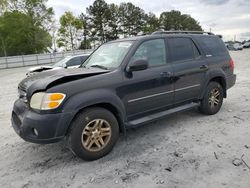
{"x":231,"y":81}
{"x":50,"y":127}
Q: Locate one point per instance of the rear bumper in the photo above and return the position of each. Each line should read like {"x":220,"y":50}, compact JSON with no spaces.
{"x":231,"y":81}
{"x":50,"y":127}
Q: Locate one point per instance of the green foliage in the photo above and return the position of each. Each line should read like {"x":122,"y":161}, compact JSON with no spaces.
{"x":70,"y":27}
{"x":113,"y":29}
{"x":3,"y":5}
{"x":98,"y":15}
{"x":131,"y":19}
{"x":24,"y":26}
{"x":104,"y":22}
{"x":174,"y":20}
{"x":38,"y":11}
{"x":40,"y":14}
{"x":86,"y":44}
{"x":18,"y":35}
{"x":152,"y":23}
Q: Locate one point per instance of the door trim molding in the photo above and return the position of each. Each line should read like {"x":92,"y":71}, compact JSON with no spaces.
{"x":188,"y":87}
{"x":150,"y":96}
{"x":163,"y":93}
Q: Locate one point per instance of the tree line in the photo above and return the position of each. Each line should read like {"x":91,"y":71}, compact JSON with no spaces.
{"x":28,"y":26}
{"x":103,"y":22}
{"x":24,"y":27}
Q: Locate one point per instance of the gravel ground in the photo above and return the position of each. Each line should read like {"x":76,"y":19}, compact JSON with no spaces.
{"x":184,"y":150}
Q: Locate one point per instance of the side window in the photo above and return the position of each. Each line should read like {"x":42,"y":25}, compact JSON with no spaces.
{"x":196,"y":51}
{"x":213,"y":45}
{"x":83,"y":58}
{"x":182,"y":49}
{"x":153,"y":51}
{"x":74,"y":62}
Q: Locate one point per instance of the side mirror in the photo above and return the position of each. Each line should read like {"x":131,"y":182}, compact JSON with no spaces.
{"x":138,"y":65}
{"x":65,"y":66}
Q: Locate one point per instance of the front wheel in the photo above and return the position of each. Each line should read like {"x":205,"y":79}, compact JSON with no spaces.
{"x":94,"y":133}
{"x":213,"y":99}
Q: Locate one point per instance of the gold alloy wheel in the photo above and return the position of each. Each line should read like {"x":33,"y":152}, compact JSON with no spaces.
{"x":214,"y":98}
{"x":96,"y":135}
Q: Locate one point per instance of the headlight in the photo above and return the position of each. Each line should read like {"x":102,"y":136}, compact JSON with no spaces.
{"x":46,"y":101}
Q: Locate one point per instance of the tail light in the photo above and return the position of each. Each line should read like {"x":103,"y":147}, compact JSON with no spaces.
{"x":231,"y":64}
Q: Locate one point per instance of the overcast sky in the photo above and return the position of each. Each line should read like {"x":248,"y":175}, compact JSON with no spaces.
{"x":226,"y":17}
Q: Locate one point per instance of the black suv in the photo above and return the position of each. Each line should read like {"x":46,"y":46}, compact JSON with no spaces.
{"x":124,"y":83}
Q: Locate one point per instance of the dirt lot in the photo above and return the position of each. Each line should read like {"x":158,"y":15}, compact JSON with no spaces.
{"x":183,"y":150}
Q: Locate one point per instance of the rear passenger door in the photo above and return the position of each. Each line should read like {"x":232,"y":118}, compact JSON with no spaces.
{"x":189,"y":68}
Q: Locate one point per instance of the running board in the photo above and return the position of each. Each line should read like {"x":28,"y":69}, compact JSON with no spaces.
{"x":153,"y":117}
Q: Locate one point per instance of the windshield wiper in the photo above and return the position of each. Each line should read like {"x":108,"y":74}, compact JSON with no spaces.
{"x":100,"y":66}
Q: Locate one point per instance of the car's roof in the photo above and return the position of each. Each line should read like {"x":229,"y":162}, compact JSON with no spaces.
{"x":129,"y":39}
{"x":143,"y":37}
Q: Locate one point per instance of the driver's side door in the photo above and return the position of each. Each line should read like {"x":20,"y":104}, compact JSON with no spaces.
{"x":149,"y":90}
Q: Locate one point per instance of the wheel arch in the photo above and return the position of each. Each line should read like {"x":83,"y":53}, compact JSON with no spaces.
{"x":103,"y":99}
{"x":222,"y":82}
{"x":216,"y":76}
{"x":111,"y":108}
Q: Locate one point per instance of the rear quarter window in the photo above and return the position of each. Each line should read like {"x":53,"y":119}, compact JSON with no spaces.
{"x":213,"y":45}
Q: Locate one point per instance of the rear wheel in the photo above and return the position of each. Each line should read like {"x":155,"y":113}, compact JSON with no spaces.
{"x":213,"y":99}
{"x":94,"y":133}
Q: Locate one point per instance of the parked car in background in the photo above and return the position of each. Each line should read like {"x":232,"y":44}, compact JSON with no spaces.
{"x":67,"y":62}
{"x":230,"y":46}
{"x":246,"y":45}
{"x":234,"y":46}
{"x":238,"y":46}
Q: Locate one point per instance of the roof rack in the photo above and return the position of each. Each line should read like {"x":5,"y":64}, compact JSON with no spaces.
{"x":181,"y":32}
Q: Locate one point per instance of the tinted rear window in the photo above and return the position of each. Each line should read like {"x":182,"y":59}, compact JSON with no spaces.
{"x":182,"y":49}
{"x":213,"y":45}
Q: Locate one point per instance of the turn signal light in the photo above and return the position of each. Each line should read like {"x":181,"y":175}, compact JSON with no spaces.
{"x":52,"y":105}
{"x":56,"y":96}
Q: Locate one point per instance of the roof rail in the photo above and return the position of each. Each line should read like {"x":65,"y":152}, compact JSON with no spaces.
{"x":181,"y":32}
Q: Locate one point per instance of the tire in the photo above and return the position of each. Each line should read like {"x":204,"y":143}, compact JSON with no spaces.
{"x":213,"y":99}
{"x":93,"y":134}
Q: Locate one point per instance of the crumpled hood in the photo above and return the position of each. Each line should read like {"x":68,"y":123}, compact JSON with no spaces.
{"x":43,"y":80}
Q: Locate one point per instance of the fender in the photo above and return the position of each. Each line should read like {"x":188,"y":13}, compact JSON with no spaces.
{"x":213,"y":73}
{"x":94,"y":97}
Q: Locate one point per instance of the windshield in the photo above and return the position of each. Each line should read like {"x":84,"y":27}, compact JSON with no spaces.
{"x":62,"y":62}
{"x":108,"y":56}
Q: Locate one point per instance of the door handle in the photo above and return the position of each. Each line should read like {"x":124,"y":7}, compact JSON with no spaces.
{"x":167,"y":74}
{"x":204,"y":67}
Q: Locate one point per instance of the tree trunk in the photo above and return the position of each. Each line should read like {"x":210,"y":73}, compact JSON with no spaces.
{"x":4,"y":48}
{"x":71,"y":38}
